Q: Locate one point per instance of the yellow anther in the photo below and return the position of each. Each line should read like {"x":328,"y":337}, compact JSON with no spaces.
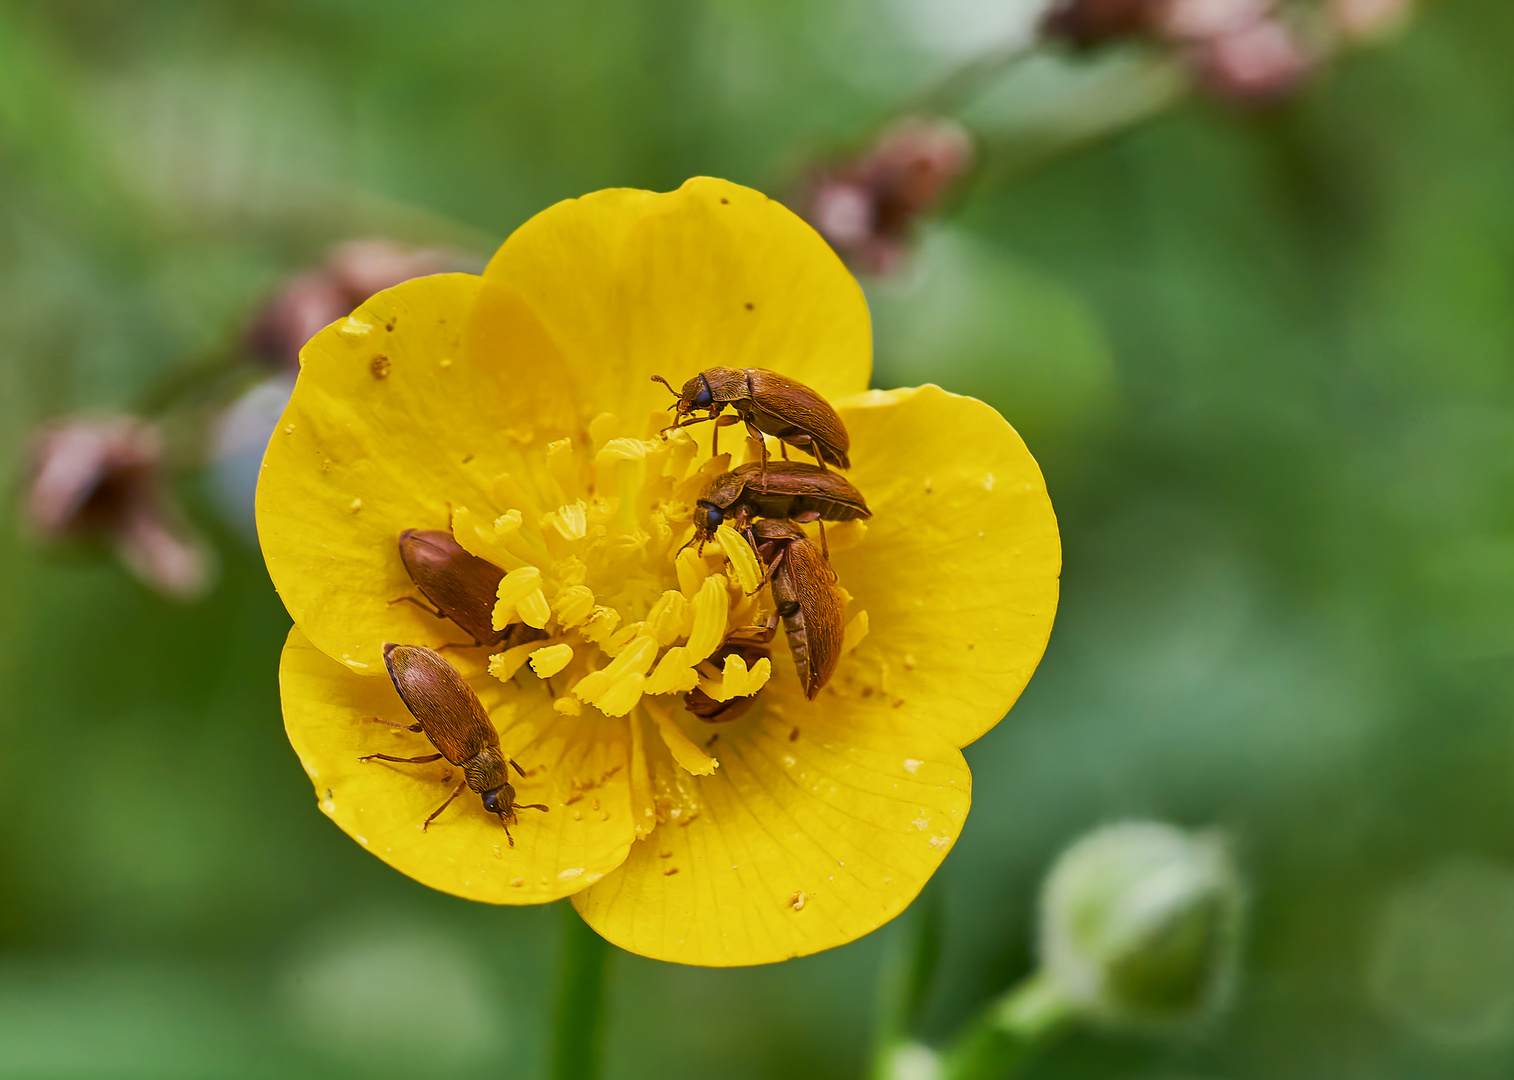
{"x":601,"y":624}
{"x":670,"y":618}
{"x":743,"y":559}
{"x":574,"y":605}
{"x":533,"y":608}
{"x":571,"y":521}
{"x":480,"y":537}
{"x":675,"y":674}
{"x":736,"y":680}
{"x":568,"y":706}
{"x":507,"y":523}
{"x":616,"y":689}
{"x":616,"y":642}
{"x":691,"y":571}
{"x":855,"y":631}
{"x":712,"y":604}
{"x":623,"y":450}
{"x":503,"y":666}
{"x":515,"y":589}
{"x":550,"y":659}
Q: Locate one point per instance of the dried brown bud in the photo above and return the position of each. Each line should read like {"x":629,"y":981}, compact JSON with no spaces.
{"x":1086,"y":23}
{"x":867,"y":208}
{"x":102,"y":479}
{"x":353,"y":272}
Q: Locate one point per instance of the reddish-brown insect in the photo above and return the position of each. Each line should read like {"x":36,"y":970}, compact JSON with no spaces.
{"x":721,"y":712}
{"x":461,"y":585}
{"x":769,"y":403}
{"x":449,"y":713}
{"x":805,"y":597}
{"x":786,"y":489}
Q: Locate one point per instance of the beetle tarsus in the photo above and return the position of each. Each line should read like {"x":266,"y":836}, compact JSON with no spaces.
{"x":455,"y":793}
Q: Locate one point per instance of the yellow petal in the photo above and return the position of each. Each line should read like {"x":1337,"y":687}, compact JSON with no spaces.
{"x":381,"y":805}
{"x":958,"y":572}
{"x":630,"y":284}
{"x":796,"y":845}
{"x":385,"y":429}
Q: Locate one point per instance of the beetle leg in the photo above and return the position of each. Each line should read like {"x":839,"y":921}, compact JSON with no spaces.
{"x":435,"y":613}
{"x":755,"y":433}
{"x":761,"y":634}
{"x":458,"y":645}
{"x":809,"y":446}
{"x":506,"y":826}
{"x":455,"y":793}
{"x":516,"y":766}
{"x":772,"y":566}
{"x":402,"y":760}
{"x":390,"y":723}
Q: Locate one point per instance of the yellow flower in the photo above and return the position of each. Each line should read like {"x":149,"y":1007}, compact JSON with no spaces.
{"x":517,"y":408}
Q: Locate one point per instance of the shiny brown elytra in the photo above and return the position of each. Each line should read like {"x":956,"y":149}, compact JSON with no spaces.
{"x":461,"y":585}
{"x":449,"y":713}
{"x":769,"y":403}
{"x":805,"y":597}
{"x":785,"y":489}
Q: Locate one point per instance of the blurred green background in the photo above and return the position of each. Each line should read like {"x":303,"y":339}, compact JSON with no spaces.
{"x":1265,"y":358}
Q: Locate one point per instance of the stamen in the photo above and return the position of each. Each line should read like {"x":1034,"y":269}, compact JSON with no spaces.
{"x":736,"y":680}
{"x":520,"y":595}
{"x":551,"y":659}
{"x":616,"y":689}
{"x":598,"y":528}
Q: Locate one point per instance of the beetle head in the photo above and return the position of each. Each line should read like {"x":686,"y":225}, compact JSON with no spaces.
{"x":501,"y":801}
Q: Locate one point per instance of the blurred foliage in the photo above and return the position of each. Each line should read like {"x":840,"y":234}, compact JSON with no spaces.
{"x":1266,"y":360}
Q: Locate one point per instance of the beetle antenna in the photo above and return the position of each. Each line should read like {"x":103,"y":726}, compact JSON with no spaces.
{"x":659,"y":378}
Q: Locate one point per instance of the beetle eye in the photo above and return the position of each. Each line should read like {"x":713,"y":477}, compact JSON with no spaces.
{"x":703,"y":400}
{"x":492,"y":800}
{"x":713,"y":516}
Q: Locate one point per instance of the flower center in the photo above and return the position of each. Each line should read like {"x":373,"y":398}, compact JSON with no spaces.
{"x":594,"y":545}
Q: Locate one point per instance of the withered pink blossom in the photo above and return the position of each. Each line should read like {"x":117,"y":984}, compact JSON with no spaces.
{"x":102,"y":478}
{"x":867,"y":208}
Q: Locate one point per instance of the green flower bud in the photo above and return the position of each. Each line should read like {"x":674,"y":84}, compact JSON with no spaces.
{"x":1140,"y":923}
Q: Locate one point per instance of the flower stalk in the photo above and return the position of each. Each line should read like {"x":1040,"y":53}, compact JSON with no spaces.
{"x":578,"y":1027}
{"x":1009,"y":1033}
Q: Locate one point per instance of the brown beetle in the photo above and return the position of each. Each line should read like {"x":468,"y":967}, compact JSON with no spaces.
{"x":769,"y":403}
{"x":721,"y":712}
{"x":461,"y":585}
{"x":449,"y":713}
{"x":787,"y":489}
{"x":805,"y":597}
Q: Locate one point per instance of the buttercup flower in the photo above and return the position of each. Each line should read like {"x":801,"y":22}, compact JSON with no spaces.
{"x":517,"y":409}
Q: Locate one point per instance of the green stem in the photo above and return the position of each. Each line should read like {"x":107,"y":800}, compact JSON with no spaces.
{"x":1007,"y":1035}
{"x":904,"y":979}
{"x":578,"y":1031}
